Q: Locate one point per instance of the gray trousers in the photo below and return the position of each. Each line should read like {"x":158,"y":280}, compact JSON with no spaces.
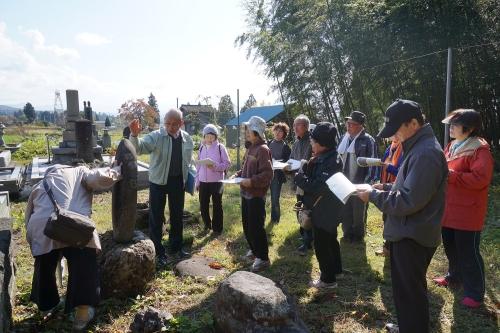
{"x":354,"y":219}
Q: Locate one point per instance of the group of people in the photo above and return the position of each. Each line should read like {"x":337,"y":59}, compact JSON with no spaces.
{"x":425,"y":195}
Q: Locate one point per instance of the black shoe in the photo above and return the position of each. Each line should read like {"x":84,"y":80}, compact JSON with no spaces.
{"x":181,"y":254}
{"x":161,"y":262}
{"x":216,"y":234}
{"x":302,"y":250}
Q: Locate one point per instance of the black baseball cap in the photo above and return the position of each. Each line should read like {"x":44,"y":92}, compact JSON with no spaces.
{"x":357,"y":116}
{"x":325,"y":134}
{"x":398,"y":113}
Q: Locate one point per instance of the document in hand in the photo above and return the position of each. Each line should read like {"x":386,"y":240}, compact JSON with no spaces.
{"x":342,"y":187}
{"x":293,"y":164}
{"x":236,"y":180}
{"x":278,"y":165}
{"x":205,"y":161}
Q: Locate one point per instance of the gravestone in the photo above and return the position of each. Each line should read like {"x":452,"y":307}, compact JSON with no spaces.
{"x":66,"y":152}
{"x":124,"y":200}
{"x":247,"y":302}
{"x":2,"y":127}
{"x":106,"y":139}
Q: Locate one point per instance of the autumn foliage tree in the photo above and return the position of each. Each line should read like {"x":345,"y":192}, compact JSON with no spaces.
{"x":139,"y":109}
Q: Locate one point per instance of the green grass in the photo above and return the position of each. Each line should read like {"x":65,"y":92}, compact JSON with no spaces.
{"x":362,"y":303}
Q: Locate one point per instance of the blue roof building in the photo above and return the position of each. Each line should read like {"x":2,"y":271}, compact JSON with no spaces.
{"x":265,"y":112}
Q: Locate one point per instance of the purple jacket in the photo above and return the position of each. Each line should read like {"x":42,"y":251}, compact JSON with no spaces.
{"x":217,"y":153}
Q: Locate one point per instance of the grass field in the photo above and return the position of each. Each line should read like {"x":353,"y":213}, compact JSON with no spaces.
{"x":362,"y":302}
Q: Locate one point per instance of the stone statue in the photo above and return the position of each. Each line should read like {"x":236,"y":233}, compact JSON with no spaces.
{"x":124,"y":200}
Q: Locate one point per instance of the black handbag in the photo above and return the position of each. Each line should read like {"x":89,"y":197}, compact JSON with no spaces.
{"x":66,"y":226}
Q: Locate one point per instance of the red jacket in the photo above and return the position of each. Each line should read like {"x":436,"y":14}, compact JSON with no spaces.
{"x":471,"y":170}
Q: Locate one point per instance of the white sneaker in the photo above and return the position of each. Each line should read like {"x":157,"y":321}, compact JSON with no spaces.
{"x":259,"y":265}
{"x":83,"y":316}
{"x":392,"y":328}
{"x":249,"y":257}
{"x":318,"y":284}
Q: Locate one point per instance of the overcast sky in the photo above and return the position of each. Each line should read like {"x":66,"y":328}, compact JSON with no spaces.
{"x":115,"y":50}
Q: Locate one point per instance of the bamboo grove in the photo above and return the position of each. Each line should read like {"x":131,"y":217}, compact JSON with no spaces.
{"x":330,"y":57}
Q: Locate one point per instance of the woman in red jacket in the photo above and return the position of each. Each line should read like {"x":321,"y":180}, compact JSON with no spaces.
{"x":470,"y":165}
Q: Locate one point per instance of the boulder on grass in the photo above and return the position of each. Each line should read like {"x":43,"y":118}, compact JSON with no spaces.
{"x":126,"y":268}
{"x":247,"y":302}
{"x":151,"y":320}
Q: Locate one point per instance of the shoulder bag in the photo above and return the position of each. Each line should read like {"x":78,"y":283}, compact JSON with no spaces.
{"x":66,"y":226}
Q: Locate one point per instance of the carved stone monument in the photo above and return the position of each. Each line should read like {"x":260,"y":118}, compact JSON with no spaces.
{"x":106,"y":139}
{"x":124,"y":201}
{"x":127,"y":259}
{"x":67,"y":153}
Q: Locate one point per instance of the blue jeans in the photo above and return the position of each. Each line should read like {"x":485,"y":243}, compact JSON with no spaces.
{"x":275,"y":199}
{"x":157,"y":198}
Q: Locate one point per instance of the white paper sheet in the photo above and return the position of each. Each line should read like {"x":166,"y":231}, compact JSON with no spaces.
{"x":236,"y":180}
{"x":293,"y":164}
{"x":205,"y":161}
{"x":341,"y":186}
{"x":279,"y":165}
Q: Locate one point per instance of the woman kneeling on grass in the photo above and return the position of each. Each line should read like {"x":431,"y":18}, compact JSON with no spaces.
{"x":470,"y":167}
{"x":324,"y":204}
{"x":257,"y":172}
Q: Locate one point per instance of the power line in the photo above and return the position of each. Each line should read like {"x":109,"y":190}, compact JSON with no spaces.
{"x":426,"y":55}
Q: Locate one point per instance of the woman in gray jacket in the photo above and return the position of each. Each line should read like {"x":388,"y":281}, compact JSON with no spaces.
{"x":72,"y":189}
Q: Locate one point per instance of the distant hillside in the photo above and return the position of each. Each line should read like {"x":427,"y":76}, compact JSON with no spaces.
{"x":4,"y":109}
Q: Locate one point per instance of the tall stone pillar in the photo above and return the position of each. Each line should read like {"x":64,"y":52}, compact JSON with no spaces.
{"x":72,"y":115}
{"x":84,"y":146}
{"x":124,"y":199}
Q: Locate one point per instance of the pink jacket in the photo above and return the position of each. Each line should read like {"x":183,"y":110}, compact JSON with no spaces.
{"x":217,"y":153}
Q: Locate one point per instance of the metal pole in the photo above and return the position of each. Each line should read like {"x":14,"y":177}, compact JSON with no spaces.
{"x":238,"y":129}
{"x":448,"y":96}
{"x":177,"y":102}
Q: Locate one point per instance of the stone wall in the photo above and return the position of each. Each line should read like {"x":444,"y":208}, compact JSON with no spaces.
{"x":7,"y":278}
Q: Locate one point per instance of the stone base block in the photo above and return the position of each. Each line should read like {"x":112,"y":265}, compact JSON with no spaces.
{"x":126,"y":269}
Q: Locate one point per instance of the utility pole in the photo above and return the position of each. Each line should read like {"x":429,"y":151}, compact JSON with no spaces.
{"x":448,"y":97}
{"x":238,"y":129}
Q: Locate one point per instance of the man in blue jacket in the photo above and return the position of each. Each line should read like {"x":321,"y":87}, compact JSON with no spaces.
{"x":414,"y":205}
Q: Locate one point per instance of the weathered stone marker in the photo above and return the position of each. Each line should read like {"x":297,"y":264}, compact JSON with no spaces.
{"x":247,"y":302}
{"x":106,"y":139}
{"x":83,"y":134}
{"x":124,"y":201}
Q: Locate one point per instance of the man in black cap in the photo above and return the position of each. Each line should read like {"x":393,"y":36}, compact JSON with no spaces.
{"x":414,"y":205}
{"x":356,"y":143}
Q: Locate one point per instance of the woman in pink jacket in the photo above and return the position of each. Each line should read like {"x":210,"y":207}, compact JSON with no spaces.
{"x":470,"y":167}
{"x":213,"y":161}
